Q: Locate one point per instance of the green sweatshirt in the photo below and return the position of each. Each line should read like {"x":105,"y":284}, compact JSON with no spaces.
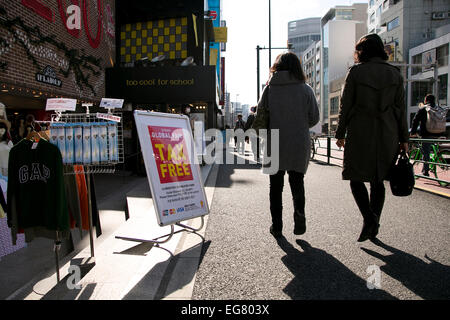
{"x":36,"y":196}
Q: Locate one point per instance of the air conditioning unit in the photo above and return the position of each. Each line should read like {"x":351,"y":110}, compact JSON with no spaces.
{"x":439,"y":15}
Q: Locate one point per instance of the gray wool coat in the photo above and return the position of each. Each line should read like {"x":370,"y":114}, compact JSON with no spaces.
{"x":293,"y":111}
{"x":372,"y":120}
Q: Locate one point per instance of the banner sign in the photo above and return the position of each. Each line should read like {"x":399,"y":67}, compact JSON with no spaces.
{"x":107,"y":116}
{"x":60,"y":104}
{"x":221,"y":34}
{"x":48,"y":76}
{"x":428,"y":59}
{"x":172,"y":170}
{"x":111,"y":103}
{"x":173,"y":85}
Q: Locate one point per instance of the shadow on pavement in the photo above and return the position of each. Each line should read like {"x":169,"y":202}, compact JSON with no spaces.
{"x":318,"y":275}
{"x":172,"y":280}
{"x":62,"y":291}
{"x":227,"y":170}
{"x":427,"y":280}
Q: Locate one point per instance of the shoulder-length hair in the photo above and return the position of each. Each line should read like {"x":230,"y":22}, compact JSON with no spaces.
{"x":370,"y":46}
{"x":289,"y":61}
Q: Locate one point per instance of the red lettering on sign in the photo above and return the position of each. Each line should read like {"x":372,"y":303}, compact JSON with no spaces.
{"x":62,"y":13}
{"x":93,"y":42}
{"x":39,"y":8}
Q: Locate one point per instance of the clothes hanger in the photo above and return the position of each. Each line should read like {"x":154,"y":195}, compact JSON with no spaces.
{"x":44,"y":135}
{"x":33,"y":135}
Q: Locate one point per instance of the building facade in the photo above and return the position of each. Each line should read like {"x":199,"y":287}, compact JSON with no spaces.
{"x":337,"y":56}
{"x":302,"y":33}
{"x":40,"y":57}
{"x":426,"y":79}
{"x":407,"y":24}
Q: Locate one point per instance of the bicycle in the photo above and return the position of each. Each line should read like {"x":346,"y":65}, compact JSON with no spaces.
{"x":439,"y":162}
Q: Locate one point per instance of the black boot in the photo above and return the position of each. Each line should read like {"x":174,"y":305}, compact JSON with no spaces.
{"x":369,"y":230}
{"x":374,"y":234}
{"x":275,"y":232}
{"x":299,"y":223}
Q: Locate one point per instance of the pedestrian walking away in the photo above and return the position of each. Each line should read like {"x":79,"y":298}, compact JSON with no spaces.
{"x":239,"y":138}
{"x":252,"y":138}
{"x":372,"y":128}
{"x":420,"y":120}
{"x":293,"y":110}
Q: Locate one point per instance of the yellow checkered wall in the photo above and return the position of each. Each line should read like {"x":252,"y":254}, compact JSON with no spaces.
{"x":154,"y":38}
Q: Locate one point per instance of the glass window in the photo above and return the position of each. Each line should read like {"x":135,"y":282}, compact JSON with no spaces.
{"x":385,"y":4}
{"x":393,"y":24}
{"x":442,"y":83}
{"x":334,"y":105}
{"x":417,"y":59}
{"x":379,"y":11}
{"x":372,"y":18}
{"x":442,"y":55}
{"x":419,"y":90}
{"x":371,"y":3}
{"x":344,"y":14}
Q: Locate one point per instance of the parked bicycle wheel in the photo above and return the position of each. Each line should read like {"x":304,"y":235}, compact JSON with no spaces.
{"x":415,"y":156}
{"x":442,"y":167}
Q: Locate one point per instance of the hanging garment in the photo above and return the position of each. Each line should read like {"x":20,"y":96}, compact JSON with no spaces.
{"x":83,"y":196}
{"x":3,"y":204}
{"x":73,"y":201}
{"x":36,"y":199}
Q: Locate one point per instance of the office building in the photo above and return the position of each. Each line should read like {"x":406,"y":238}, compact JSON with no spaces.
{"x":407,"y":24}
{"x":337,"y":55}
{"x":302,"y":33}
{"x":423,"y":78}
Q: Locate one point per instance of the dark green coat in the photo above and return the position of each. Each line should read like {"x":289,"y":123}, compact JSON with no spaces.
{"x":372,"y":119}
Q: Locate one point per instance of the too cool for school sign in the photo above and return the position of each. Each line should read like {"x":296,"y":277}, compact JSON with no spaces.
{"x":175,"y":180}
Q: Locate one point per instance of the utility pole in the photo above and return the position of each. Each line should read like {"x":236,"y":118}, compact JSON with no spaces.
{"x":270,"y":36}
{"x":258,"y":48}
{"x":258,"y":81}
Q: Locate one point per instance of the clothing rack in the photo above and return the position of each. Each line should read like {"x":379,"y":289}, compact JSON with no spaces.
{"x":88,"y":169}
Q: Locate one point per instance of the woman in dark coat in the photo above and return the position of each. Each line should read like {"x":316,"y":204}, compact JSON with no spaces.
{"x":372,"y":128}
{"x":293,"y":110}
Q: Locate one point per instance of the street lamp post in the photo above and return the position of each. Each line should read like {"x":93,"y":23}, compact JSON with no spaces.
{"x":258,"y":48}
{"x":270,"y":35}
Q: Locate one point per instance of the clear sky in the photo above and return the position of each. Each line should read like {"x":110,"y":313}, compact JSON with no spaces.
{"x":248,"y":26}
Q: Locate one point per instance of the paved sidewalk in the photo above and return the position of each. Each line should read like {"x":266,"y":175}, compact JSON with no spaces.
{"x":235,"y":257}
{"x":243,"y":261}
{"x":123,"y":269}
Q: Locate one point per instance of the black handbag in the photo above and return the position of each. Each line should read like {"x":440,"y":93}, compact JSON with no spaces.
{"x":402,"y":179}
{"x":262,"y":119}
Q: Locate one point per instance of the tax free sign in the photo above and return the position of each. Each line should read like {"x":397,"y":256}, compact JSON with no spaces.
{"x":172,"y":170}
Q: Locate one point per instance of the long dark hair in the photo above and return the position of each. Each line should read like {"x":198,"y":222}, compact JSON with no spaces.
{"x":289,"y":61}
{"x":430,"y":99}
{"x":370,"y":46}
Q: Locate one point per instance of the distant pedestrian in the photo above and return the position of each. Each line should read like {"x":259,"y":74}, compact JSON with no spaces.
{"x":372,"y":128}
{"x":293,"y":110}
{"x":420,"y":120}
{"x":252,"y":139}
{"x":239,"y":138}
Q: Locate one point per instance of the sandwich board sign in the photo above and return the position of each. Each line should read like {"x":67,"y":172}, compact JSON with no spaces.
{"x":173,"y":171}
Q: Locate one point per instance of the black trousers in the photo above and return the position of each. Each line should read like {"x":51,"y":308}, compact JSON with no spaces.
{"x":370,"y":207}
{"x":276,"y":195}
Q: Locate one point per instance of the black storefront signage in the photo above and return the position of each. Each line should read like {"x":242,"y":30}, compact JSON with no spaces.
{"x":162,"y":84}
{"x":48,"y":76}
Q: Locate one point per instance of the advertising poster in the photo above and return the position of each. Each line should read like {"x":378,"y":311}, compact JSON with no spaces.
{"x":175,"y":180}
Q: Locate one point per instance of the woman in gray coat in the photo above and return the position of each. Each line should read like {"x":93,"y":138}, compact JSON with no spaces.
{"x":293,"y":110}
{"x":372,"y":128}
